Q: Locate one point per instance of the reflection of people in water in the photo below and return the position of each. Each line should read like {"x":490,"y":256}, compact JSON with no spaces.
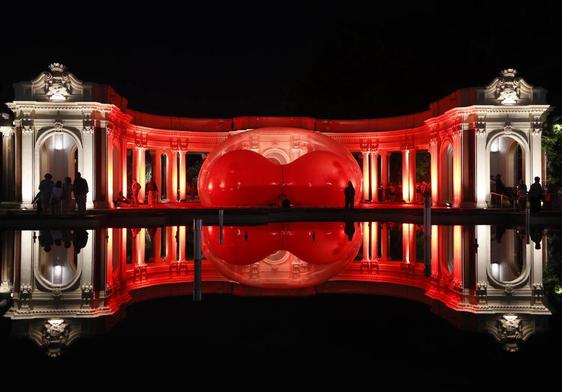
{"x":536,"y":236}
{"x":500,"y":230}
{"x":46,"y":240}
{"x":80,"y":239}
{"x":349,"y":229}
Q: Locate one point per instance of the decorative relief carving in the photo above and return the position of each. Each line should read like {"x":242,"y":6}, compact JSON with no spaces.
{"x":510,"y":332}
{"x":57,"y":83}
{"x":480,"y":127}
{"x":434,"y":139}
{"x":536,"y":126}
{"x":482,"y":290}
{"x":141,"y":140}
{"x":26,"y":124}
{"x":87,"y":292}
{"x":538,"y":290}
{"x":369,"y":145}
{"x":507,"y":127}
{"x":508,"y":88}
{"x":179,"y":144}
{"x":509,"y":289}
{"x":54,"y":336}
{"x":88,"y":123}
{"x":59,"y":126}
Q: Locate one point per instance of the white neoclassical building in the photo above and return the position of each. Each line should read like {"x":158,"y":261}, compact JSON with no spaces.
{"x":62,"y":125}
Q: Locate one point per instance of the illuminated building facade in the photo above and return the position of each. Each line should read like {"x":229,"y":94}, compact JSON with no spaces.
{"x":62,"y":125}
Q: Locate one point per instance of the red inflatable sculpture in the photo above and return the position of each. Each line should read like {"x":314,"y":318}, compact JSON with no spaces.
{"x":312,"y":175}
{"x":282,"y":255}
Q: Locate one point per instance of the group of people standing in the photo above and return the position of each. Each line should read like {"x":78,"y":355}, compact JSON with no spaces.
{"x":136,"y":187}
{"x":520,"y":194}
{"x":56,"y":198}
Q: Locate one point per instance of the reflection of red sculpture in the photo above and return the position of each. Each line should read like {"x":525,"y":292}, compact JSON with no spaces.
{"x":282,"y":254}
{"x":243,"y":244}
{"x":234,"y":176}
{"x":319,"y":242}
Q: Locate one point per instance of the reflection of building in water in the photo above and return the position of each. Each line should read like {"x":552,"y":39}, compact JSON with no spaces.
{"x":481,"y":277}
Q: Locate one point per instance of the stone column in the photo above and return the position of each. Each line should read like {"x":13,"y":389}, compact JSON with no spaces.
{"x":384,"y":242}
{"x":171,"y":254}
{"x":8,"y":164}
{"x":536,"y":156}
{"x":457,"y":168}
{"x":140,"y":171}
{"x":366,"y":235}
{"x":140,"y":247}
{"x":28,"y":190}
{"x":172,"y":176}
{"x":110,"y":169}
{"x":109,"y":261}
{"x":408,"y":243}
{"x":482,"y":163}
{"x":434,"y":155}
{"x":7,"y":262}
{"x":366,"y":178}
{"x":157,"y":244}
{"x":435,"y":251}
{"x":87,"y":169}
{"x":408,"y":175}
{"x":157,"y":172}
{"x":87,"y":254}
{"x":384,"y":171}
{"x":123,"y":261}
{"x":124,"y":180}
{"x":483,"y":254}
{"x":374,"y":176}
{"x":182,"y":175}
{"x":26,"y":257}
{"x":374,"y":240}
{"x":457,"y":256}
{"x":181,"y":238}
{"x":412,"y":173}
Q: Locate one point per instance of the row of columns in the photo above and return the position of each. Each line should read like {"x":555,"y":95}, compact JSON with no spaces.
{"x":372,"y":180}
{"x":174,"y":190}
{"x":176,"y":249}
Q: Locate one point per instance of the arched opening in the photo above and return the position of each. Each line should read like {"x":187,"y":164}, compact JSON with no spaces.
{"x":446,"y":174}
{"x":58,"y":263}
{"x":58,"y":155}
{"x":507,"y":168}
{"x":508,"y":254}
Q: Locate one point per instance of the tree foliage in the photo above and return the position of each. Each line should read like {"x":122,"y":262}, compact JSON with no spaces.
{"x":552,"y":145}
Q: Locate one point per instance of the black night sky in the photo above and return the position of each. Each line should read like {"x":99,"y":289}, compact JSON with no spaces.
{"x":283,"y":59}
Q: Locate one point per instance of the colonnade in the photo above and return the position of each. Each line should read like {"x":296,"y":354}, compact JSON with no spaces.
{"x":373,"y":179}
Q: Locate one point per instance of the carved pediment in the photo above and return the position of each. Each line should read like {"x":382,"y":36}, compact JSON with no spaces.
{"x":54,"y":85}
{"x":510,"y":89}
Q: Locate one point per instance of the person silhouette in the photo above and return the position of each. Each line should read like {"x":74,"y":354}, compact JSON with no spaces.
{"x":80,"y":189}
{"x":535,"y":195}
{"x":135,"y":187}
{"x":349,"y":229}
{"x":349,"y":193}
{"x":80,"y":239}
{"x":536,"y":237}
